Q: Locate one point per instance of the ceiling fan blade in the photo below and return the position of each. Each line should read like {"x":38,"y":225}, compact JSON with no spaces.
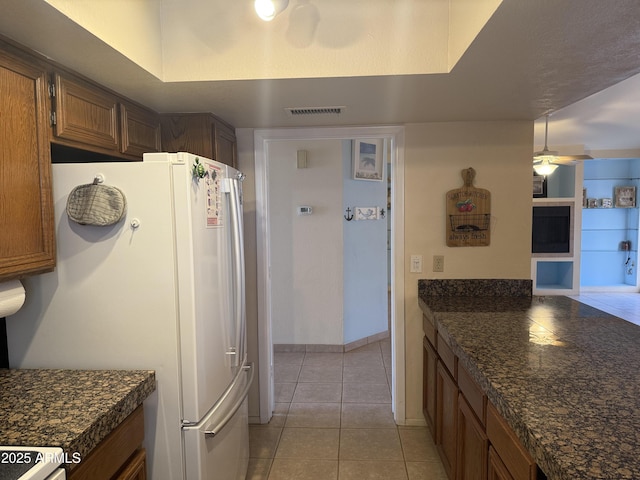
{"x":571,"y":159}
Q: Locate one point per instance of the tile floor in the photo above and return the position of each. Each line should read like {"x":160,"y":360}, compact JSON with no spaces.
{"x":333,"y":421}
{"x":623,"y":305}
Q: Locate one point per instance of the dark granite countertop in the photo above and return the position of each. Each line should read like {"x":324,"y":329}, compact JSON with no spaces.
{"x":565,"y":376}
{"x":72,"y":409}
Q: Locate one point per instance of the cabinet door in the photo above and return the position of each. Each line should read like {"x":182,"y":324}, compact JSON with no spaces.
{"x":473,"y":445}
{"x":26,"y":209}
{"x":225,"y":142}
{"x":85,"y":114}
{"x":429,"y":367}
{"x":136,"y":468}
{"x":497,"y":470}
{"x":446,"y":419}
{"x":139,"y":129}
{"x":188,"y":132}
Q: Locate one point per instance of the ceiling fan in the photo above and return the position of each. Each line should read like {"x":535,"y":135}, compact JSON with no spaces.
{"x":546,"y":161}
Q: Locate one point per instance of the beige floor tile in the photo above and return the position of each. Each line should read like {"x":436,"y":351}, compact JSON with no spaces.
{"x":362,"y":358}
{"x":358,"y":470}
{"x":288,"y":358}
{"x":258,"y":468}
{"x":364,"y":374}
{"x":283,"y":373}
{"x":318,"y":393}
{"x":370,"y":347}
{"x":370,"y":444}
{"x":418,"y":445}
{"x":366,"y":393}
{"x":263,"y":441}
{"x":316,"y":443}
{"x":279,"y":415}
{"x":305,"y":469}
{"x":320,"y":373}
{"x":426,"y":471}
{"x":358,"y":415}
{"x":326,"y":359}
{"x":283,"y":392}
{"x":314,"y":415}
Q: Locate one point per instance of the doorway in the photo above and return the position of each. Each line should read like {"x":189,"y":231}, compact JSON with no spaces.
{"x":264,"y":141}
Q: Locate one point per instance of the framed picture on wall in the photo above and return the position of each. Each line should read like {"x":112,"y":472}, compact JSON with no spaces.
{"x":368,"y":159}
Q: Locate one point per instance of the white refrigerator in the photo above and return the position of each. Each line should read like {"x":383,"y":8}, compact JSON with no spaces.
{"x":161,"y":289}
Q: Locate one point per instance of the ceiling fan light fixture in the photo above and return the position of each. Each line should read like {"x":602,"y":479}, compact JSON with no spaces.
{"x":267,"y":10}
{"x":545,"y":167}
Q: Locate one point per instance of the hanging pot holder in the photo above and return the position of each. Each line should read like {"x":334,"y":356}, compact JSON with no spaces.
{"x":94,"y":204}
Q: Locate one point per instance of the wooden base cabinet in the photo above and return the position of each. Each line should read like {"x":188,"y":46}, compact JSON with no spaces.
{"x":473,"y":444}
{"x":119,"y":456}
{"x":429,"y":366}
{"x":446,"y":419}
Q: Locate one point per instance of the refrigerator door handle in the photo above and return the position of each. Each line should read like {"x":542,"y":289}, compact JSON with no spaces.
{"x":238,"y":253}
{"x":211,"y":432}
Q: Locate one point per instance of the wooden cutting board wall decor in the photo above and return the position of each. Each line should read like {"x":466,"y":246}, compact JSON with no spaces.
{"x":468,"y":214}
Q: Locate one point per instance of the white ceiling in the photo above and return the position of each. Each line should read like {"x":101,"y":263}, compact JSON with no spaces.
{"x":530,"y":58}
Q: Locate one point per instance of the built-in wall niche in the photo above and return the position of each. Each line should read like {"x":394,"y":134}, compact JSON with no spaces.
{"x":610,"y":233}
{"x":552,"y":230}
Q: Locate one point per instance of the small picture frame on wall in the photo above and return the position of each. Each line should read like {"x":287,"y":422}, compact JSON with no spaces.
{"x":367,"y":160}
{"x":625,"y":197}
{"x":539,"y":186}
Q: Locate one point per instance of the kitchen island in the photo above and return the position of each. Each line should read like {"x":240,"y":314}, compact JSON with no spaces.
{"x":72,"y":409}
{"x":565,"y":376}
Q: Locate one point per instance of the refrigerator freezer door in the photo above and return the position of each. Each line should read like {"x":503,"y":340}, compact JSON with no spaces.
{"x":205,"y":282}
{"x":218,"y":447}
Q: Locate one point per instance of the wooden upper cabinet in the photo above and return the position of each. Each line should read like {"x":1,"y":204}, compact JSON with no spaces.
{"x":225,"y":144}
{"x":85,"y":114}
{"x":90,"y":118}
{"x":27,"y":242}
{"x":140,"y":130}
{"x":201,"y":134}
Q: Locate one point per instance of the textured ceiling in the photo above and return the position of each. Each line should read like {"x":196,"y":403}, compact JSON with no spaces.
{"x":531,"y":57}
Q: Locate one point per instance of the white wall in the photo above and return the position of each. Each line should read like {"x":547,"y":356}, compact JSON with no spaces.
{"x":306,"y":251}
{"x":366,"y":310}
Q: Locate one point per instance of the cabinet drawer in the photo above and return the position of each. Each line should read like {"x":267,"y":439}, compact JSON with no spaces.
{"x":516,"y":459}
{"x":429,"y":330}
{"x":447,"y":356}
{"x":470,"y":389}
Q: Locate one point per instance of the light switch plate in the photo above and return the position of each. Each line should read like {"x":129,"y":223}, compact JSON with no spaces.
{"x":416,"y":264}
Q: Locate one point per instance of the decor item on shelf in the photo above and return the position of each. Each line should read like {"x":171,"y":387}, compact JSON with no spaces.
{"x":584,"y":198}
{"x":539,"y":186}
{"x":367,"y":159}
{"x":606,"y":203}
{"x":546,"y":161}
{"x":625,"y":197}
{"x":592,"y":203}
{"x":267,"y":10}
{"x":468,"y":214}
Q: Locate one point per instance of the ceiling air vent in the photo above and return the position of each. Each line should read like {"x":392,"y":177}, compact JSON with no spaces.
{"x":299,"y":111}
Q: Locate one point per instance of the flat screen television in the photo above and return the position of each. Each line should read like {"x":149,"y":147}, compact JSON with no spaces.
{"x":551,"y":231}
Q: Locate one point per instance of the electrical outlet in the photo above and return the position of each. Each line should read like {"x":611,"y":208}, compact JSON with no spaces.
{"x":438,"y":263}
{"x":416,"y":264}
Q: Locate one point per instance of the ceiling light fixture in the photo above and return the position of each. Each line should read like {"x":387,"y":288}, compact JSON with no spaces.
{"x":267,"y":10}
{"x":544,"y":160}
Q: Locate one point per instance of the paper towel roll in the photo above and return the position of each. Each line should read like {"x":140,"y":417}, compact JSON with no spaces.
{"x":11,"y":297}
